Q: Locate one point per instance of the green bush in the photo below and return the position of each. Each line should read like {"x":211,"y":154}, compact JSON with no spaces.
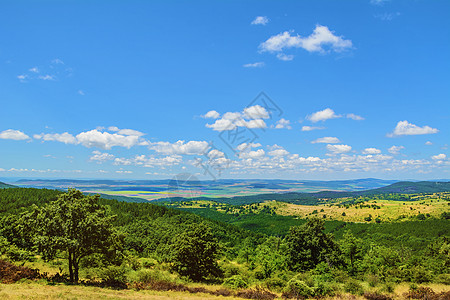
{"x":353,"y":287}
{"x":442,"y":278}
{"x":114,"y":276}
{"x":235,"y":282}
{"x":323,"y":288}
{"x":298,"y":289}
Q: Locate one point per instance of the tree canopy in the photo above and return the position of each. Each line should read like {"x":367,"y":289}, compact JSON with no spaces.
{"x":74,"y":223}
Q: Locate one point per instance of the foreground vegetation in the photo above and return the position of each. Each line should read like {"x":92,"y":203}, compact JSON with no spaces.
{"x":73,"y":238}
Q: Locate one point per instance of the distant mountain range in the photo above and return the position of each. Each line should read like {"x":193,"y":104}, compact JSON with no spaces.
{"x":4,"y":185}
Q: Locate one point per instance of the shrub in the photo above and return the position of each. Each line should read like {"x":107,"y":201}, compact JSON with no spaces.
{"x":442,"y":278}
{"x":373,"y":280}
{"x":114,"y":276}
{"x":322,"y":289}
{"x":10,"y":273}
{"x":298,"y":289}
{"x":235,"y":282}
{"x":353,"y":287}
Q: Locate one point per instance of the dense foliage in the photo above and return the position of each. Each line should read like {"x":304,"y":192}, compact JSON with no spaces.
{"x":121,"y":242}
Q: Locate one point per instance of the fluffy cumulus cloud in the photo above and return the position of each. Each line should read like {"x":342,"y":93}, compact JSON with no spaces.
{"x":326,"y":140}
{"x":395,"y":149}
{"x":323,"y":115}
{"x":212,"y":114}
{"x":181,"y":147}
{"x":441,"y":156}
{"x":100,"y":157}
{"x":98,"y":138}
{"x":283,"y":123}
{"x":406,"y":128}
{"x":321,"y":40}
{"x":339,"y":148}
{"x":277,"y":151}
{"x":256,"y":112}
{"x":260,"y":20}
{"x":251,"y":117}
{"x":258,"y":64}
{"x":371,"y":151}
{"x":65,"y":137}
{"x":11,"y":134}
{"x":311,"y":128}
{"x":106,"y":140}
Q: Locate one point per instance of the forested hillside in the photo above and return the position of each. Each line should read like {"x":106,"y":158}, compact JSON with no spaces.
{"x":86,"y":239}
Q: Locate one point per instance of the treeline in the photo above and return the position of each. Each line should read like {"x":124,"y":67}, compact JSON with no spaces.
{"x":121,"y":242}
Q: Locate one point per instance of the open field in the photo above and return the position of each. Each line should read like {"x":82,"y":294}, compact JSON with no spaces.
{"x":359,"y":210}
{"x":32,"y":290}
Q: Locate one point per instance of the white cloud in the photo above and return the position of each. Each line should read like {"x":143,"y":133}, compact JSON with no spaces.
{"x":257,"y":123}
{"x":65,"y":137}
{"x":212,"y":114}
{"x":80,"y":92}
{"x":311,"y":128}
{"x":428,"y":143}
{"x":278,"y":152}
{"x":441,"y":156}
{"x":47,"y":77}
{"x":315,"y":42}
{"x":256,"y":112}
{"x":285,"y":57}
{"x":130,"y":132}
{"x":181,"y":147}
{"x":283,"y":123}
{"x":34,"y":70}
{"x":395,"y":149}
{"x":326,"y":140}
{"x":124,"y":172}
{"x":371,"y":151}
{"x":11,"y":134}
{"x":406,"y":128}
{"x":231,"y":120}
{"x":257,"y":154}
{"x":245,"y":146}
{"x":100,"y":157}
{"x":258,"y":64}
{"x":222,"y":124}
{"x":339,"y":148}
{"x":355,"y":117}
{"x":22,"y":77}
{"x":260,"y":20}
{"x":323,"y":115}
{"x":106,"y":140}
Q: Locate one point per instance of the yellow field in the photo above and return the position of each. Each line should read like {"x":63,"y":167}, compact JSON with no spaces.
{"x":389,"y":210}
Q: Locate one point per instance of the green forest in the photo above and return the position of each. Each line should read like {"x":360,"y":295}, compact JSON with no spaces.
{"x":74,"y":238}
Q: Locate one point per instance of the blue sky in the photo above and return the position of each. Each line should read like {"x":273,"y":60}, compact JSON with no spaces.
{"x":151,"y":89}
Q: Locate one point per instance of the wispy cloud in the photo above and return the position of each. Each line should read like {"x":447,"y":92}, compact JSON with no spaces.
{"x":254,"y":65}
{"x":326,"y":140}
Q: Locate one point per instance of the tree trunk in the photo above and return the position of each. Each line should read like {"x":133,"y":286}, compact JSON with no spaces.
{"x":70,"y":266}
{"x":75,"y":268}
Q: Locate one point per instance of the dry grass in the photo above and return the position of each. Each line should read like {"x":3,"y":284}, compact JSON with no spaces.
{"x":37,"y":291}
